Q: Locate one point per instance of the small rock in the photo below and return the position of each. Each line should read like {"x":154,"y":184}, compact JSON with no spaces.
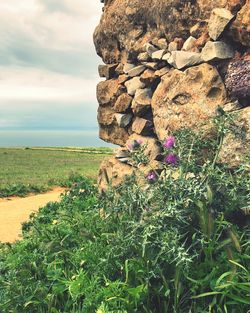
{"x":189,"y":43}
{"x":219,"y":19}
{"x":123,"y":120}
{"x":122,"y":78}
{"x":166,"y":56}
{"x":142,"y":126}
{"x":127,"y":67}
{"x":162,"y":71}
{"x":123,"y":103}
{"x":133,"y":84}
{"x":149,"y":48}
{"x":107,"y":70}
{"x":136,"y":71}
{"x":143,"y":57}
{"x":151,"y":65}
{"x":148,"y":77}
{"x":119,"y":69}
{"x":157,"y":55}
{"x":162,"y":43}
{"x":181,"y":59}
{"x":173,"y":46}
{"x":217,"y":50}
{"x":142,"y":101}
{"x":143,"y":96}
{"x":121,"y":153}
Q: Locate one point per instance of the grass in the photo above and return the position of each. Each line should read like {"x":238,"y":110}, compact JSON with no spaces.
{"x":38,"y":169}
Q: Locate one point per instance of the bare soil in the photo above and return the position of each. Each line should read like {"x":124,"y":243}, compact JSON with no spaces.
{"x":14,"y":211}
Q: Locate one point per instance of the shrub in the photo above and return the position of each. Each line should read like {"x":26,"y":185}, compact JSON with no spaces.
{"x":179,"y":244}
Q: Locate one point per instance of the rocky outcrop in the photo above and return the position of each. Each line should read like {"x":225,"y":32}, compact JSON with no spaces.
{"x":169,"y":64}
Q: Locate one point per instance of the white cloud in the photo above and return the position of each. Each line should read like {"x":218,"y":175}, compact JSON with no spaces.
{"x":41,"y":85}
{"x":47,"y":60}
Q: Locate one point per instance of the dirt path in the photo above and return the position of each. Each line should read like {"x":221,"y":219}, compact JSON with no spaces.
{"x":15,"y":211}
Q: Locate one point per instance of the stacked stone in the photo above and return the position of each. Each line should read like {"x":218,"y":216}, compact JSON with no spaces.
{"x":164,"y":85}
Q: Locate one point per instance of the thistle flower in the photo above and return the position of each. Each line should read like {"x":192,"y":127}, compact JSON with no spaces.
{"x":171,"y":159}
{"x":151,"y":177}
{"x":169,"y":142}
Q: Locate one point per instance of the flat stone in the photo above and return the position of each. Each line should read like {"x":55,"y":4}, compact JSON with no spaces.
{"x":151,"y":65}
{"x":218,"y":21}
{"x":121,"y":153}
{"x":122,"y":78}
{"x":136,"y":71}
{"x":123,"y":120}
{"x":217,"y":50}
{"x":162,"y":71}
{"x":166,"y":56}
{"x":127,"y":67}
{"x":181,"y":59}
{"x":142,"y":126}
{"x":157,"y":55}
{"x":133,"y":84}
{"x":149,"y":48}
{"x":189,"y":43}
{"x":142,"y":101}
{"x":123,"y":103}
{"x":107,"y":70}
{"x":143,"y":57}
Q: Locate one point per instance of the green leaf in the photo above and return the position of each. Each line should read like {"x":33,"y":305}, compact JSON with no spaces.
{"x":207,"y":294}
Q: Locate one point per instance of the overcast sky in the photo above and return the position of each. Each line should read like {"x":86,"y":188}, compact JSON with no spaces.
{"x":48,"y":65}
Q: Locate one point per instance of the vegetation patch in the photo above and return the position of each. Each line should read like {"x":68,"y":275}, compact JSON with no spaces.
{"x":24,"y":171}
{"x":174,"y":243}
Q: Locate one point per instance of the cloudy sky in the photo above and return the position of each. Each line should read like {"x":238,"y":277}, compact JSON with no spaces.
{"x":48,"y":65}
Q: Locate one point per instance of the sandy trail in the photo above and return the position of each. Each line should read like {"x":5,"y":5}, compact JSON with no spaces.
{"x":15,"y":211}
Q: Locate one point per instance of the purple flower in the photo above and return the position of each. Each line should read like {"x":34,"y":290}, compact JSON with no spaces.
{"x":171,"y":159}
{"x":169,"y":142}
{"x":151,"y":177}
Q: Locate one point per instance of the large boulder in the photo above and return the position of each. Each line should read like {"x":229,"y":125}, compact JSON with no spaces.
{"x":187,"y":99}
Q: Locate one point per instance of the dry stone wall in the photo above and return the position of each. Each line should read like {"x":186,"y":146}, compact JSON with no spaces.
{"x":169,"y":64}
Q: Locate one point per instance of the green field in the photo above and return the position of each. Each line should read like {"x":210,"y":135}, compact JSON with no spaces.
{"x":38,"y":169}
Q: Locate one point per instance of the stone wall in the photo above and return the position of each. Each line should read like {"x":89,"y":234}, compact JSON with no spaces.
{"x":169,"y":64}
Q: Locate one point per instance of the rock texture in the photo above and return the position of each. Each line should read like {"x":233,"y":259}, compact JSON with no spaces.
{"x":169,"y":64}
{"x":187,"y":99}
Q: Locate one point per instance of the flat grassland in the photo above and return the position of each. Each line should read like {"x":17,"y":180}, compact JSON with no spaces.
{"x":24,"y":170}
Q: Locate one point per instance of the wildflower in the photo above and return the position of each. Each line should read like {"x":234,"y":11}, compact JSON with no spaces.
{"x":169,"y":142}
{"x":151,"y":177}
{"x":54,"y":222}
{"x":171,"y":159}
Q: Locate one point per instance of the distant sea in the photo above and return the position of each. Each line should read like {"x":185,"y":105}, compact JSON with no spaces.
{"x":51,"y":138}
